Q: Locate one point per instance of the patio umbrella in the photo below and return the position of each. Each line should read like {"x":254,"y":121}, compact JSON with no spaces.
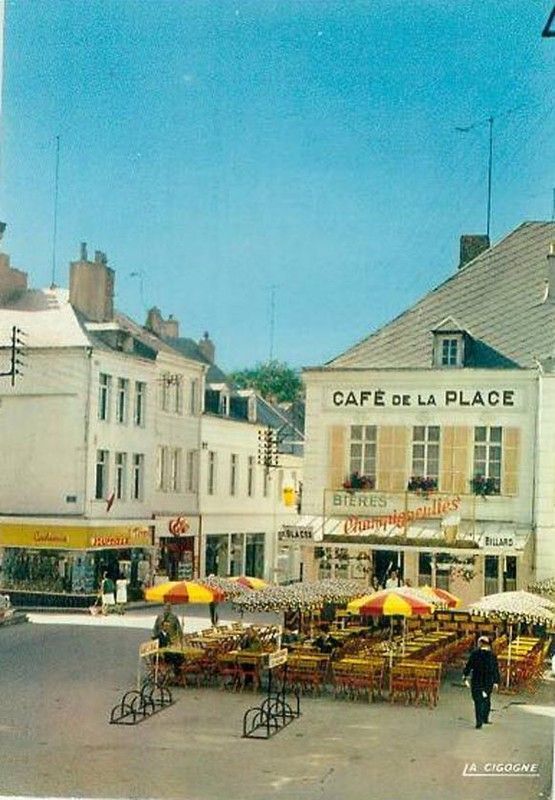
{"x":515,"y":607}
{"x":184,"y":592}
{"x":403,"y":602}
{"x":442,"y":595}
{"x":249,"y":582}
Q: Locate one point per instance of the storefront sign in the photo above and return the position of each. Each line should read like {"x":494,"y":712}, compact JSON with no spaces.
{"x":277,"y":658}
{"x":448,"y":398}
{"x":499,"y":541}
{"x":69,"y":537}
{"x":291,"y":533}
{"x":178,"y":526}
{"x":148,"y":648}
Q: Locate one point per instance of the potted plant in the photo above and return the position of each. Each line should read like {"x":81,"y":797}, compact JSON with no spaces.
{"x":484,"y":486}
{"x":422,"y":485}
{"x":356,"y":481}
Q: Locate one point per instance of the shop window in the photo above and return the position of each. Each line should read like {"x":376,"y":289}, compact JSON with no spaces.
{"x":487,"y":460}
{"x":254,"y":555}
{"x":250,"y":477}
{"x":509,"y":574}
{"x":237,"y":554}
{"x":121,"y":471}
{"x":122,"y":400}
{"x":211,"y":486}
{"x":140,"y":403}
{"x":362,"y":455}
{"x":104,"y":391}
{"x":424,"y":569}
{"x":491,"y":574}
{"x":233,"y":474}
{"x":217,"y":554}
{"x":425,"y":457}
{"x":101,"y":482}
{"x":138,"y":476}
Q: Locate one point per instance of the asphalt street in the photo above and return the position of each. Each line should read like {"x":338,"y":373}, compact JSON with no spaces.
{"x":58,"y":683}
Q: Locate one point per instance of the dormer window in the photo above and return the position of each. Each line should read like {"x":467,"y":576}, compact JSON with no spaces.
{"x":450,"y":344}
{"x":450,"y":352}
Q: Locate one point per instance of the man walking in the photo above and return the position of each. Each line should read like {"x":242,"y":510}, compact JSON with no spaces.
{"x":483,"y":665}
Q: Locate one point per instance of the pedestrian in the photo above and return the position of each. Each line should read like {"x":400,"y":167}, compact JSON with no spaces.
{"x":167,"y":627}
{"x":213,"y":612}
{"x":393,"y":581}
{"x":107,"y":591}
{"x":121,"y":594}
{"x":483,"y":666}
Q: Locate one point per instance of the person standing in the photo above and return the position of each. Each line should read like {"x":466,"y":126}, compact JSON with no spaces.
{"x":482,"y":665}
{"x":107,"y":591}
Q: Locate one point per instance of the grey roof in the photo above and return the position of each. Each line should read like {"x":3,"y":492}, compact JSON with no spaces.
{"x":498,"y":298}
{"x":190,"y":349}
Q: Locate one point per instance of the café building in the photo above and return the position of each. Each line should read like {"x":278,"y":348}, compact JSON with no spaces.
{"x":430,"y":443}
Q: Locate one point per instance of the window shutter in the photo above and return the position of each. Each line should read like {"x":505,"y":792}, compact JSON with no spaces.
{"x":336,"y":471}
{"x":392,"y":458}
{"x":455,"y":459}
{"x":510,"y":456}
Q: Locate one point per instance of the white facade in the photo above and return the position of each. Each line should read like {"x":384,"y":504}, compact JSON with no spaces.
{"x":395,"y":407}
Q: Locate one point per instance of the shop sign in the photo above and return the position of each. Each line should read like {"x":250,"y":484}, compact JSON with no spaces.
{"x":499,"y":541}
{"x":447,"y":398}
{"x":74,"y":537}
{"x":148,"y":648}
{"x":277,"y":658}
{"x":178,"y":526}
{"x":290,"y":533}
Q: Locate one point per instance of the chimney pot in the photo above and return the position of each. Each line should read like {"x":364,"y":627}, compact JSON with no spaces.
{"x":84,"y":256}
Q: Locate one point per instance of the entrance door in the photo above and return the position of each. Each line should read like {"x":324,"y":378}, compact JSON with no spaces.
{"x":385,"y":561}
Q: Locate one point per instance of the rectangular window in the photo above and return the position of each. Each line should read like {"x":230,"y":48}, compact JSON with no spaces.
{"x":449,"y":352}
{"x":101,"y":482}
{"x":165,"y":391}
{"x":122,"y":400}
{"x":491,"y":575}
{"x":121,"y":472}
{"x":138,"y":476}
{"x":254,"y":555}
{"x":487,"y":459}
{"x":425,"y":454}
{"x":362,"y":453}
{"x":163,"y":460}
{"x":233,"y":475}
{"x":175,"y":470}
{"x":178,"y":394}
{"x":191,"y":470}
{"x":211,"y":487}
{"x":140,"y":403}
{"x":265,"y":481}
{"x":194,"y":396}
{"x":104,"y":396}
{"x":250,"y":476}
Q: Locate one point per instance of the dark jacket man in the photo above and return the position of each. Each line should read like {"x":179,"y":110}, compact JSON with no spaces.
{"x":482,"y":665}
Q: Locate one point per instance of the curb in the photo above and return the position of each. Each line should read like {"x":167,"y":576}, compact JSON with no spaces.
{"x":16,"y":619}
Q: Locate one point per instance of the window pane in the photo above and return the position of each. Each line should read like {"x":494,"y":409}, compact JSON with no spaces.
{"x":495,"y":434}
{"x":418,"y":433}
{"x":479,"y":434}
{"x":370,"y":433}
{"x":433,"y":433}
{"x":356,"y":432}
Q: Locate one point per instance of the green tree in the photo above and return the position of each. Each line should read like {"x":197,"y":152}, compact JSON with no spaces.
{"x":274,"y":380}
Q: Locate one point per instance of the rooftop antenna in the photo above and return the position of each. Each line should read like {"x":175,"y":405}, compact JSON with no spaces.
{"x":55,"y":220}
{"x":490,"y":121}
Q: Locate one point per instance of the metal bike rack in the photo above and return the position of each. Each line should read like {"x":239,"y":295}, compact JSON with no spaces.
{"x":137,"y":705}
{"x":273,"y":714}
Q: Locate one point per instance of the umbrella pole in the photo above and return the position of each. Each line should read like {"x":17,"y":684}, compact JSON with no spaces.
{"x":404,"y":635}
{"x":509,"y":655}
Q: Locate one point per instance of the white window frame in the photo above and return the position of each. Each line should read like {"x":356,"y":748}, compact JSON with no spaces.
{"x":104,"y":396}
{"x":121,"y":475}
{"x":365,"y":462}
{"x":139,"y":410}
{"x":491,"y":446}
{"x":250,"y":476}
{"x":428,"y":445}
{"x":175,"y":470}
{"x":192,"y":470}
{"x":211,"y":473}
{"x":233,"y":469}
{"x":138,"y":472}
{"x":122,"y":400}
{"x":102,"y":464}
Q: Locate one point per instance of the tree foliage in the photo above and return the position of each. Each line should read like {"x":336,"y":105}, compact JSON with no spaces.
{"x":274,"y":380}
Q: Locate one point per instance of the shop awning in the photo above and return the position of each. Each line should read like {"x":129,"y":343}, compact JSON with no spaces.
{"x":487,"y":538}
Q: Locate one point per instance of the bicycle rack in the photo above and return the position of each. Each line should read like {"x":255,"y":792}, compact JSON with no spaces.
{"x":273,"y":714}
{"x":137,"y":705}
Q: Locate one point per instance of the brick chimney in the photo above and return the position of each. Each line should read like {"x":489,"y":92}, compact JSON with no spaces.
{"x":472,"y":244}
{"x":91,"y":286}
{"x":207,"y":348}
{"x":13,"y":282}
{"x":170,"y":327}
{"x":164,"y":328}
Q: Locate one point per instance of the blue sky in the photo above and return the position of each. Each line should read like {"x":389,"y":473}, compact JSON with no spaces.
{"x":222,"y":148}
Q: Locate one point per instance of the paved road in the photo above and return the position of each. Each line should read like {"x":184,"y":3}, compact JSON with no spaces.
{"x":58,"y":683}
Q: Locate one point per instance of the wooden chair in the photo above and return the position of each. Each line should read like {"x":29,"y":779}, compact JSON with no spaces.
{"x":402,"y":683}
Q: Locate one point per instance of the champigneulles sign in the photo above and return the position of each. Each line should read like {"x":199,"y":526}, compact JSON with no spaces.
{"x":446,"y":398}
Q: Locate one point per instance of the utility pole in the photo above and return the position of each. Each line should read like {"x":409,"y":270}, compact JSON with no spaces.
{"x":55,"y":220}
{"x":490,"y":164}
